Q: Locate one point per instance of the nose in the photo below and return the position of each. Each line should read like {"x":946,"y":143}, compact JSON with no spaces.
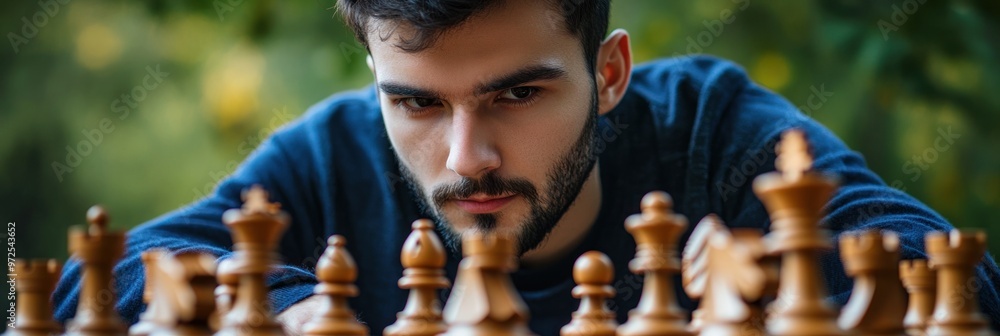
{"x":472,"y":151}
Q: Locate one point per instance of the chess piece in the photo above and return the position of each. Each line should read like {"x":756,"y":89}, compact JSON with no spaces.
{"x":184,"y":287}
{"x":656,"y":231}
{"x":593,"y":273}
{"x":225,"y":294}
{"x":336,"y":272}
{"x":147,"y":320}
{"x":483,"y":300}
{"x":97,"y":250}
{"x":423,"y":257}
{"x":795,"y":197}
{"x":730,"y":272}
{"x":256,"y":229}
{"x":954,"y":257}
{"x":921,"y":283}
{"x":876,"y":306}
{"x":35,"y":281}
{"x":694,"y":267}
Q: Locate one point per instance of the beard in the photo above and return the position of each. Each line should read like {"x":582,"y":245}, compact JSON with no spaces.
{"x":563,"y":183}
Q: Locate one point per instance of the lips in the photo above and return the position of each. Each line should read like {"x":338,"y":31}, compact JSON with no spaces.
{"x":483,"y":205}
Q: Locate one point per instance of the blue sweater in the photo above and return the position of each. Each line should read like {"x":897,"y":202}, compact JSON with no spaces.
{"x":695,"y":127}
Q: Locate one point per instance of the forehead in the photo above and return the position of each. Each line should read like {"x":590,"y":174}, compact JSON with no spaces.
{"x":514,"y":35}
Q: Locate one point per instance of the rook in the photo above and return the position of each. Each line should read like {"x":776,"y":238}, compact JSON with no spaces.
{"x":954,"y":257}
{"x":921,"y":283}
{"x":36,"y":279}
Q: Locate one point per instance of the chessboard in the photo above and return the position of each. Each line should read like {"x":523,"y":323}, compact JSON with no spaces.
{"x":747,"y":282}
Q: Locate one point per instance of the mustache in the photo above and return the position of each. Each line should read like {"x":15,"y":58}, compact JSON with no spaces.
{"x":490,"y":184}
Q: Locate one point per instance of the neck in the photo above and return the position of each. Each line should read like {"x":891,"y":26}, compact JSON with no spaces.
{"x":572,"y":227}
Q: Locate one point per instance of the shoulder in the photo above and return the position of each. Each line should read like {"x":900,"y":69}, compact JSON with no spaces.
{"x":709,"y":116}
{"x":712,"y":101}
{"x":690,"y":96}
{"x":709,"y":104}
{"x":685,"y":77}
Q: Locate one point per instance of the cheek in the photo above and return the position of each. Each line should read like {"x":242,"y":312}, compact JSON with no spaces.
{"x":418,"y":147}
{"x":545,"y":137}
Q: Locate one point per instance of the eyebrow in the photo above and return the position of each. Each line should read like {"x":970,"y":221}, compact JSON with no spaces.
{"x":519,"y":77}
{"x":398,"y":89}
{"x":525,"y":75}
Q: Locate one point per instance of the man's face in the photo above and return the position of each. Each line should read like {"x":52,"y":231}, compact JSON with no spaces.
{"x":493,"y":125}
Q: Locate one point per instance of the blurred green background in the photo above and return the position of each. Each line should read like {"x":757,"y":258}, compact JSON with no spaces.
{"x":896,"y":75}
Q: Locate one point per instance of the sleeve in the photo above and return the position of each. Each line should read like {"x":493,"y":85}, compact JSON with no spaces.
{"x":199,"y":227}
{"x":755,"y":120}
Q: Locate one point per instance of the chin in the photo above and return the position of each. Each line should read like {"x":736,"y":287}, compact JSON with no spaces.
{"x":467,"y":223}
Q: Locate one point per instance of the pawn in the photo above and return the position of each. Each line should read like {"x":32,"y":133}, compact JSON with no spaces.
{"x":876,"y":306}
{"x":656,"y":232}
{"x":36,"y":279}
{"x":954,"y":257}
{"x":98,"y":250}
{"x":920,"y":282}
{"x":423,"y":257}
{"x":336,"y":272}
{"x":593,"y":273}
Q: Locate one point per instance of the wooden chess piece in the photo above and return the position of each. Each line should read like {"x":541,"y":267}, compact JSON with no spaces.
{"x":98,"y":250}
{"x":256,"y":229}
{"x":593,"y":273}
{"x":954,"y":257}
{"x":694,"y":267}
{"x":656,"y":232}
{"x":921,"y":283}
{"x":229,"y":281}
{"x":147,"y":320}
{"x":35,"y":281}
{"x":876,"y":306}
{"x":483,"y":300}
{"x":184,"y":285}
{"x":336,"y":272}
{"x":795,"y":197}
{"x":730,"y":272}
{"x":424,"y":258}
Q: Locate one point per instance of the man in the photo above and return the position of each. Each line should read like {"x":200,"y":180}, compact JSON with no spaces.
{"x":526,"y":119}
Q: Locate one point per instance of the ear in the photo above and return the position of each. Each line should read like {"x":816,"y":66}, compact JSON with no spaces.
{"x":371,"y":66}
{"x":613,"y":70}
{"x":371,"y":63}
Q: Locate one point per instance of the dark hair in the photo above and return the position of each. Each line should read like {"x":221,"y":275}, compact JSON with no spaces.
{"x":587,"y":19}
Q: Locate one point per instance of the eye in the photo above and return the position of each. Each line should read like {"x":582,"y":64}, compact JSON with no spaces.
{"x":518,"y":93}
{"x":416,"y":103}
{"x":414,"y":106}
